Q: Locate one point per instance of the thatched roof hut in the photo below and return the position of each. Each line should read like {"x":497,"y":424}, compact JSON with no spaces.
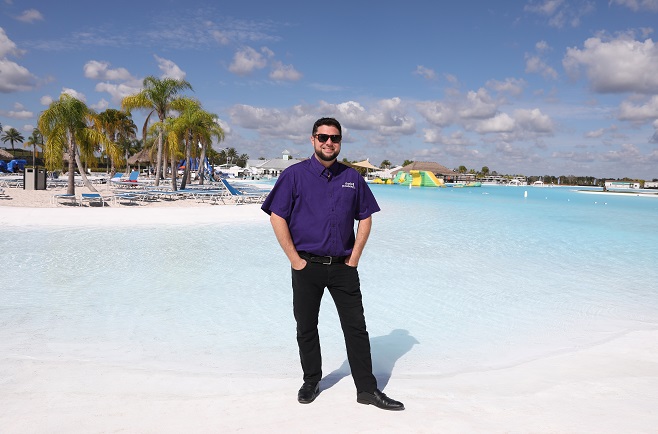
{"x":143,"y":156}
{"x":5,"y":155}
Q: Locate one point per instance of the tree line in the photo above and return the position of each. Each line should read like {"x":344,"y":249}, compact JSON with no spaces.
{"x":546,"y":179}
{"x":176,"y":128}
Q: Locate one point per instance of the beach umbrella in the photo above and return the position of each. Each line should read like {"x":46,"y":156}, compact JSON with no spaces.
{"x":365,"y":164}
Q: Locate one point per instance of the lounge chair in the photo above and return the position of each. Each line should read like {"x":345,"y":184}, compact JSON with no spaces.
{"x":212,"y":195}
{"x":131,"y":198}
{"x":58,"y":199}
{"x":91,"y":197}
{"x":130,"y":182}
{"x":241,"y":197}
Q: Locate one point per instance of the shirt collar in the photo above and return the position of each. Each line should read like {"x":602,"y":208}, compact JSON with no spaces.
{"x":318,"y":169}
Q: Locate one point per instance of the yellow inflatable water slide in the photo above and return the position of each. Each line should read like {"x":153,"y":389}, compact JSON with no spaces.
{"x":418,"y":178}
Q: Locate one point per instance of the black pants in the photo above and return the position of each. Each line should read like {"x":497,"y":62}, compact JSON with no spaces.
{"x":342,"y":281}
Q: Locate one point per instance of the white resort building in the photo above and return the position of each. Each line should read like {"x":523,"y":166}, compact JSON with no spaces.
{"x":269,"y":168}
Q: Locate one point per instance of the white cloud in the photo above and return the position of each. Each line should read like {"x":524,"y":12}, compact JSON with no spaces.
{"x":478,"y":105}
{"x":220,"y":37}
{"x":7,"y":46}
{"x":387,"y":118}
{"x":595,"y":134}
{"x":100,"y":105}
{"x":99,"y":70}
{"x":427,"y":73}
{"x":547,"y":7}
{"x":512,"y":86}
{"x":616,"y":66}
{"x":437,"y":113}
{"x":455,"y":139}
{"x":561,"y":13}
{"x":46,"y":100}
{"x":21,"y":114}
{"x":15,"y":78}
{"x":30,"y":16}
{"x":281,"y":72}
{"x":637,"y":5}
{"x":118,"y":91}
{"x":247,"y":61}
{"x":501,"y":123}
{"x":533,"y":120}
{"x":628,"y":153}
{"x":75,"y":94}
{"x":639,"y":113}
{"x":535,"y":64}
{"x":169,"y":69}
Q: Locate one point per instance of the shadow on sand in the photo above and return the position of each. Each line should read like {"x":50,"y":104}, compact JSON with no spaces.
{"x":386,"y":351}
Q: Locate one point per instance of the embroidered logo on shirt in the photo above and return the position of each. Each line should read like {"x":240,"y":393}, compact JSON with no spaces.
{"x":349,"y":185}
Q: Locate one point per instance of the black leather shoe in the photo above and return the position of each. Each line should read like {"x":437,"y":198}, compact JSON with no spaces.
{"x":379,"y":400}
{"x":308,"y":393}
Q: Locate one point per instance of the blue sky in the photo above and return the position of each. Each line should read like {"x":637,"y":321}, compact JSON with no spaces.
{"x":523,"y":87}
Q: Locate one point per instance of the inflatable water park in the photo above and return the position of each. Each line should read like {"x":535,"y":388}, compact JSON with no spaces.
{"x":421,"y":178}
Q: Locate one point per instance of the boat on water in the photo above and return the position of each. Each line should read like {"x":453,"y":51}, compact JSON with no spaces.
{"x":517,"y":182}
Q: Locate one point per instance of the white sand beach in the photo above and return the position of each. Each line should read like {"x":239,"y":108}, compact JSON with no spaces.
{"x":611,"y":388}
{"x":608,"y":388}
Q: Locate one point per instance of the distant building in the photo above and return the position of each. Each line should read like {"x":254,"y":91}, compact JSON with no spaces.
{"x":650,"y":184}
{"x":270,"y":168}
{"x":621,"y":185}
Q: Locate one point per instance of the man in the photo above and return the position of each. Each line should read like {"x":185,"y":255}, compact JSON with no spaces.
{"x":312,"y":209}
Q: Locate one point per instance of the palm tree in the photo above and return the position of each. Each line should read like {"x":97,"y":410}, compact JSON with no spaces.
{"x":118,"y":127}
{"x":230,"y":155}
{"x":36,"y":139}
{"x":69,"y":125}
{"x":241,"y":160}
{"x":12,"y":135}
{"x":385,"y":164}
{"x":157,"y":96}
{"x":194,"y":126}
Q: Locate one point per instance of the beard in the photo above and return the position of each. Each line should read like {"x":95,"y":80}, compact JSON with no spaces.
{"x":323,"y":157}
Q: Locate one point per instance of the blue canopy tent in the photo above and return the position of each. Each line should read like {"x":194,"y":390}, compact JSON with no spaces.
{"x":15,"y":165}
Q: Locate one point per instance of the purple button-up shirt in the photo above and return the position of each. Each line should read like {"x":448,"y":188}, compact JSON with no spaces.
{"x":320,"y":205}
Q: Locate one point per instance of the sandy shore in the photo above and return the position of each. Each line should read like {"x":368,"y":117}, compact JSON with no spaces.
{"x":20,"y":207}
{"x":608,"y":388}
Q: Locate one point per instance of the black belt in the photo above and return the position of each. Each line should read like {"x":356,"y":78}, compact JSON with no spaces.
{"x":325,"y":260}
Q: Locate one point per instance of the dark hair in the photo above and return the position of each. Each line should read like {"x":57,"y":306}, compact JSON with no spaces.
{"x":327,"y":121}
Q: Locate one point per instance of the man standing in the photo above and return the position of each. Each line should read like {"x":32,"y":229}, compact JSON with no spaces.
{"x":312,"y":209}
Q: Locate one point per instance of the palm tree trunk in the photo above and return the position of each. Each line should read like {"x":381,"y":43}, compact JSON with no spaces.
{"x":70,"y":187}
{"x":202,"y":165}
{"x":83,"y":173}
{"x":174,"y":171}
{"x":188,"y":158}
{"x":158,"y":165}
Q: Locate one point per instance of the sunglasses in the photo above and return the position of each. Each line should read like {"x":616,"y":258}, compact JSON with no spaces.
{"x":336,"y":138}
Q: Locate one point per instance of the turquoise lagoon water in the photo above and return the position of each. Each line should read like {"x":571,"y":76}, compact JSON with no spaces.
{"x":454,"y":280}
